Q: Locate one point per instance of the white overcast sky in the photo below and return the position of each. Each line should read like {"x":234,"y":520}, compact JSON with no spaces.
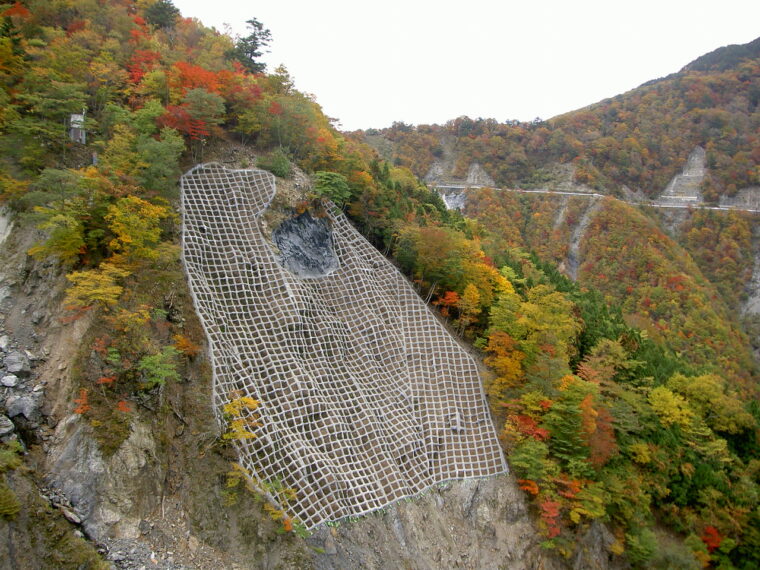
{"x":429,"y":61}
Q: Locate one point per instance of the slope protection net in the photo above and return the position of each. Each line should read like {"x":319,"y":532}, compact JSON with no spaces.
{"x":363,"y":397}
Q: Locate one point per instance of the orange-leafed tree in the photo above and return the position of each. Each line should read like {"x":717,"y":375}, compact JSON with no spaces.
{"x":505,"y":359}
{"x":447,"y":301}
{"x":82,"y":402}
{"x":135,"y":224}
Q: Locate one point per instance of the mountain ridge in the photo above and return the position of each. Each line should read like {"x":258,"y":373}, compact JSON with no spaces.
{"x":618,"y":142}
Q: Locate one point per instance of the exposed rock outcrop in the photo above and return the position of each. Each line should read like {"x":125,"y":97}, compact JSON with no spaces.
{"x":573,"y":261}
{"x":111,"y":495}
{"x":686,"y":187}
{"x":745,"y":199}
{"x":306,"y":246}
{"x":478,"y":523}
{"x":477,"y":176}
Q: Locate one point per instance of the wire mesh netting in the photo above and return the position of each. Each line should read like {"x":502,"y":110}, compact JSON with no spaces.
{"x":363,"y":397}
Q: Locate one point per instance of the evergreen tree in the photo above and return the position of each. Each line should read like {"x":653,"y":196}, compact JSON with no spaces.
{"x":162,"y":14}
{"x":248,"y":49}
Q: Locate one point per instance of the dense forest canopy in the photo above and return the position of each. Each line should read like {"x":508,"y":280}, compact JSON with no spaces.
{"x":641,"y":414}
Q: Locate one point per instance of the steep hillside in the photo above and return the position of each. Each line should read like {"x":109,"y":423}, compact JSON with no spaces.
{"x":604,"y":406}
{"x":343,"y":387}
{"x":153,"y":485}
{"x":612,"y":247}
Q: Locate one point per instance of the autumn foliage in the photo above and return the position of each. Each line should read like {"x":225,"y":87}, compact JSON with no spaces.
{"x":626,"y":398}
{"x":639,"y":140}
{"x":82,"y":402}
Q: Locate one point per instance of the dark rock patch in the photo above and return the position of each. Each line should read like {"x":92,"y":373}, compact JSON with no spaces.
{"x":306,"y":246}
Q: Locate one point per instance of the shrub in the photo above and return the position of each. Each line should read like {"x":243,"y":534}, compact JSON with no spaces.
{"x":333,"y":186}
{"x":641,"y":546}
{"x":674,"y":556}
{"x":9,"y":503}
{"x":9,"y":460}
{"x":160,"y":367}
{"x":277,"y":163}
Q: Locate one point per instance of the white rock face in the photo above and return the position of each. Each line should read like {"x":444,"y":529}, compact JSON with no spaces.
{"x":436,"y":173}
{"x":455,"y":199}
{"x":752,"y":304}
{"x":477,"y":176}
{"x":686,"y":187}
{"x":745,"y":199}
{"x":111,"y":494}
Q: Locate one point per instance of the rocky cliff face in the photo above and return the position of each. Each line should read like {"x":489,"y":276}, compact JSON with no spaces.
{"x":160,"y":499}
{"x":686,"y":186}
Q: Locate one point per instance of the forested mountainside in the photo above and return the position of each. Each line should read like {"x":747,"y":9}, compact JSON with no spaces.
{"x":632,"y":426}
{"x":679,"y":279}
{"x":638,"y":140}
{"x":625,"y":255}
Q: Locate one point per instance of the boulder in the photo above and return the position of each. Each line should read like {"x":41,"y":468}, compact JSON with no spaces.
{"x":70,"y":515}
{"x":306,"y":246}
{"x":9,"y":381}
{"x":24,"y":406}
{"x":18,"y":363}
{"x":6,"y":426}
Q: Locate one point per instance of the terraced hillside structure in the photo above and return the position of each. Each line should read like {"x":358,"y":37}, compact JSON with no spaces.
{"x":685,"y":188}
{"x":364,"y":398}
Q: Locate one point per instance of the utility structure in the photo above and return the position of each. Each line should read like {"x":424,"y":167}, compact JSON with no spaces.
{"x":363,"y":397}
{"x":77,"y":132}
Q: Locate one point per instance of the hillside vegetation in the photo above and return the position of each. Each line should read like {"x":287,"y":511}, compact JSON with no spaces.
{"x":681,"y":300}
{"x":638,"y":415}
